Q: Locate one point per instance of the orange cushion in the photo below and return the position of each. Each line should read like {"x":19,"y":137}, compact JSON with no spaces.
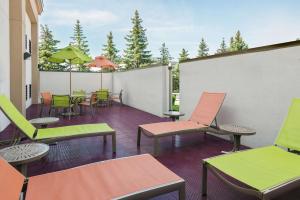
{"x":11,"y":181}
{"x":47,"y":98}
{"x":102,"y":181}
{"x":165,"y":128}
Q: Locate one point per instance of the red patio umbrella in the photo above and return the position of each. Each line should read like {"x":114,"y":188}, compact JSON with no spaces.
{"x":102,"y":63}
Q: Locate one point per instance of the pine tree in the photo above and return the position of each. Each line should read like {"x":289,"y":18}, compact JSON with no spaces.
{"x":136,"y":55}
{"x":47,"y":46}
{"x":223,"y":47}
{"x":237,"y":43}
{"x":109,"y":49}
{"x":203,"y":48}
{"x":79,"y":40}
{"x":184,"y":55}
{"x":165,"y":55}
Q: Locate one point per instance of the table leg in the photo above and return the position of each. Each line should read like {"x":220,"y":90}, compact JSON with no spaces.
{"x":173,"y":118}
{"x":156,"y":146}
{"x":23,"y":169}
{"x":44,"y":125}
{"x":236,"y":143}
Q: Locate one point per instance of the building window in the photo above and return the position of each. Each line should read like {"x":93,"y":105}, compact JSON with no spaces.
{"x":25,"y":41}
{"x":26,"y":92}
{"x":29,"y":45}
{"x":30,"y":94}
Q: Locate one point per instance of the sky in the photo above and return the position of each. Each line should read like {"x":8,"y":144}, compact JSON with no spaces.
{"x":178,"y":23}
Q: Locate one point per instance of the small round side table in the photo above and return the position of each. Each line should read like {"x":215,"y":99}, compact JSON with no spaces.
{"x":22,"y":154}
{"x":237,"y":132}
{"x":44,"y":121}
{"x":173,"y":115}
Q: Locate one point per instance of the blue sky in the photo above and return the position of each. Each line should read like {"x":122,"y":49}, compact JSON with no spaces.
{"x":180,"y":24}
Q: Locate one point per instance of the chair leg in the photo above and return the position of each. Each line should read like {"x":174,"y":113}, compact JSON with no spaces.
{"x":182,"y":192}
{"x":139,"y":137}
{"x":156,"y":146}
{"x":114,"y":145}
{"x":50,"y":110}
{"x":204,"y":179}
{"x":42,"y":109}
{"x":104,"y":139}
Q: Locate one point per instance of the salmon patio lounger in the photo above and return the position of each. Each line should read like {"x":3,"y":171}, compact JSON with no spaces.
{"x":49,"y":135}
{"x":202,"y":118}
{"x":135,"y":178}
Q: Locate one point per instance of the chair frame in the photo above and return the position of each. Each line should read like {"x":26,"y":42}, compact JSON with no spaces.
{"x":17,"y":138}
{"x":263,"y":195}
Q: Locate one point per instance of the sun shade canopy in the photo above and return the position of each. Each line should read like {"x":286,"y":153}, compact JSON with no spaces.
{"x":71,"y":55}
{"x":103,"y":63}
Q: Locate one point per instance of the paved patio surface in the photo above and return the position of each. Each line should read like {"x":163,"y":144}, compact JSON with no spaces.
{"x":184,"y":158}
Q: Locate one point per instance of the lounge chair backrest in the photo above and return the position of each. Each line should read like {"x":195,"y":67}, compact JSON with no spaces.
{"x":207,"y":108}
{"x":46,"y":98}
{"x":16,"y":117}
{"x":289,"y":135}
{"x":11,"y":181}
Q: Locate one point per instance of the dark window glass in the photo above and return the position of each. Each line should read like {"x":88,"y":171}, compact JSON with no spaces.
{"x":30,"y":94}
{"x":25,"y":41}
{"x":26,"y":92}
{"x":29,"y":46}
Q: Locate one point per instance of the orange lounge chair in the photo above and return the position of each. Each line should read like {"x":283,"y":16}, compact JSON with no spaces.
{"x":135,"y":177}
{"x":202,"y":118}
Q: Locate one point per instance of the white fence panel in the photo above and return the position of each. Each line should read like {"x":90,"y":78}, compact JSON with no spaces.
{"x":259,"y":87}
{"x":58,"y":82}
{"x":145,"y":89}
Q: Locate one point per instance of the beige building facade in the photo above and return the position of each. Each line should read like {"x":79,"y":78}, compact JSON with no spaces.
{"x":19,"y":76}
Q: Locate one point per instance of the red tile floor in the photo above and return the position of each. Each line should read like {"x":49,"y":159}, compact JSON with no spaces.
{"x":184,"y":158}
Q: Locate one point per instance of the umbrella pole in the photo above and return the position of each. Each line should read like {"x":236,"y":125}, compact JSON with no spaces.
{"x":70,"y":89}
{"x":101,"y":79}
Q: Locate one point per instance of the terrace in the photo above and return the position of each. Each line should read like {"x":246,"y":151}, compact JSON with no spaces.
{"x":184,"y":157}
{"x":259,"y":83}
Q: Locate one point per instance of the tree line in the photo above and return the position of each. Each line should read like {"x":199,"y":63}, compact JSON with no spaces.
{"x":136,"y":54}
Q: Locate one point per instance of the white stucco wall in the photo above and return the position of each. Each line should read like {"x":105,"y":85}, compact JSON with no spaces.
{"x":259,"y":87}
{"x":4,"y":56}
{"x":58,"y":82}
{"x":28,"y":64}
{"x":145,"y":89}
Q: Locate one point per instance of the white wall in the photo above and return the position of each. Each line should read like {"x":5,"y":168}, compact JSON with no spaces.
{"x":4,"y":56}
{"x":28,"y":65}
{"x":58,"y":82}
{"x":145,"y":89}
{"x":259,"y":86}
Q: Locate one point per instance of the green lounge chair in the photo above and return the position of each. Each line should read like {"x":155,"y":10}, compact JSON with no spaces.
{"x":49,"y":135}
{"x":268,"y":171}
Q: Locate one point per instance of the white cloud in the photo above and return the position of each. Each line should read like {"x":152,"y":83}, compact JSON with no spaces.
{"x":91,"y":17}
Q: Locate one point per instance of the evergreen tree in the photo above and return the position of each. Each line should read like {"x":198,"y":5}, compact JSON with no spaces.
{"x":203,"y":48}
{"x":237,"y":43}
{"x":109,"y":49}
{"x":223,"y":47}
{"x":175,"y":76}
{"x":47,"y":46}
{"x":184,"y":55}
{"x":79,"y":40}
{"x":165,"y":55}
{"x":136,"y":55}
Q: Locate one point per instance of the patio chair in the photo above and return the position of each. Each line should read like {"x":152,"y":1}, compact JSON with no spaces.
{"x":122,"y":178}
{"x":60,"y":102}
{"x":50,"y":135}
{"x":103,"y":97}
{"x":201,"y":120}
{"x":268,"y":171}
{"x":116,"y":97}
{"x":91,"y":103}
{"x":46,"y":100}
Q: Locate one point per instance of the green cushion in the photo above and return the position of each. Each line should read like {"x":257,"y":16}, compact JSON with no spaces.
{"x":61,"y":101}
{"x":16,"y":117}
{"x":260,"y":168}
{"x":289,"y":135}
{"x":76,"y":130}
